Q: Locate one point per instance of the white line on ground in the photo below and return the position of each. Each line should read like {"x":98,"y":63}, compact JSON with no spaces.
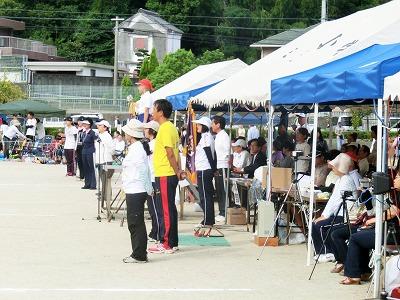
{"x":25,"y":215}
{"x":178,"y":290}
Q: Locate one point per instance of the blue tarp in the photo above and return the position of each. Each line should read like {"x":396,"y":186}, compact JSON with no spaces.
{"x":180,"y":101}
{"x":357,"y":76}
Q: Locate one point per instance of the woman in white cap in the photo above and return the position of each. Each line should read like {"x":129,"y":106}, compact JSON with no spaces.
{"x":340,"y":166}
{"x":104,"y":156}
{"x":154,"y":206}
{"x":136,"y":183}
{"x":241,"y":157}
{"x":205,"y":167}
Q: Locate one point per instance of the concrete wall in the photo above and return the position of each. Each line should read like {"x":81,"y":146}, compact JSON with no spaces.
{"x":87,"y":72}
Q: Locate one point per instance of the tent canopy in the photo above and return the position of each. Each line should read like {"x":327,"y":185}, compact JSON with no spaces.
{"x":324,"y":43}
{"x":24,"y":106}
{"x":392,"y":86}
{"x":179,"y":91}
{"x":357,"y":76}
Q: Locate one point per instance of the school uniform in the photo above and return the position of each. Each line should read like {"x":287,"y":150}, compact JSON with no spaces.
{"x":31,"y":129}
{"x":222,"y":151}
{"x":205,"y":175}
{"x":69,"y":148}
{"x":104,"y":150}
{"x":9,"y":134}
{"x":79,"y":153}
{"x":88,"y":150}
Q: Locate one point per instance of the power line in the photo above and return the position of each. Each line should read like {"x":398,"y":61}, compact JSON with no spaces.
{"x":164,"y":15}
{"x":149,"y":23}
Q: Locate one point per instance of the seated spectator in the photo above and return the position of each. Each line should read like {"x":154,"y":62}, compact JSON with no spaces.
{"x":263,"y":145}
{"x":302,"y":146}
{"x":332,"y":177}
{"x":353,"y":171}
{"x":287,"y":161}
{"x":322,"y":146}
{"x":356,"y":266}
{"x":352,"y":149}
{"x":277,"y":154}
{"x":241,"y":157}
{"x":320,"y":227}
{"x":321,"y":169}
{"x":258,"y":159}
{"x":363,"y":163}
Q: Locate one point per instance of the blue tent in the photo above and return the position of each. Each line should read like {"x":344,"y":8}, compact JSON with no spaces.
{"x":357,"y":76}
{"x":180,"y":101}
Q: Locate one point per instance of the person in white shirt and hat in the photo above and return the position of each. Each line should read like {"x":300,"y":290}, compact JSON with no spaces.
{"x":241,"y":157}
{"x":205,"y":168}
{"x":104,"y":151}
{"x":145,"y":103}
{"x":9,"y":134}
{"x":136,"y":183}
{"x":154,"y":205}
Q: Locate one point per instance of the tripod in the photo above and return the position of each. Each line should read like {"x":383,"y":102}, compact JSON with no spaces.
{"x":343,"y":205}
{"x":297,"y":196}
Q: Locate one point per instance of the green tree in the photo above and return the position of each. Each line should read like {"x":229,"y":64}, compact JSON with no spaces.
{"x":144,"y":69}
{"x":10,"y":91}
{"x":153,"y":61}
{"x":126,"y":84}
{"x":357,"y":117}
{"x":174,"y":65}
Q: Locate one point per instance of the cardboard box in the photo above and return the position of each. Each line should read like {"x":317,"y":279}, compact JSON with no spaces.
{"x":280,"y":180}
{"x":272,"y":241}
{"x":236,"y":216}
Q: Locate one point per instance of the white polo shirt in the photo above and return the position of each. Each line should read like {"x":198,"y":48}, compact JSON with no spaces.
{"x":146,"y":101}
{"x":242,"y":159}
{"x":201,"y":160}
{"x":31,"y":131}
{"x":70,"y":141}
{"x":222,"y":149}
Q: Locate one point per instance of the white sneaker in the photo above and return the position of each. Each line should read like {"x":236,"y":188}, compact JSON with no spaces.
{"x":220,"y":219}
{"x":324,"y":258}
{"x":131,"y":260}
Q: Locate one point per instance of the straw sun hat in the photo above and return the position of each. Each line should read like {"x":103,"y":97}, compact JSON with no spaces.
{"x":134,"y":128}
{"x":342,"y":163}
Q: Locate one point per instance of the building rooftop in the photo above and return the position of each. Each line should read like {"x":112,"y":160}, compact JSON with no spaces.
{"x":64,"y":66}
{"x":12,"y":24}
{"x":154,"y":17}
{"x":282,"y":38}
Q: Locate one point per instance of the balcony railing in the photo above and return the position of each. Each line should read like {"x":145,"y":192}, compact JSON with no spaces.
{"x":28,"y":45}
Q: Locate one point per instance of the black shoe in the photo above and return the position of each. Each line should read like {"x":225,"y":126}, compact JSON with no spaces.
{"x":84,"y":188}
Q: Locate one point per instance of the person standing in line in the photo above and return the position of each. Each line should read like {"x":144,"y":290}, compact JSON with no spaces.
{"x":167,"y":172}
{"x":223,"y":152}
{"x":30,"y":126}
{"x":79,"y":142}
{"x":104,"y":150}
{"x":88,"y":140}
{"x":155,"y":208}
{"x":136,"y":183}
{"x":71,"y":133}
{"x":253,"y":133}
{"x":205,"y":168}
{"x":145,"y":103}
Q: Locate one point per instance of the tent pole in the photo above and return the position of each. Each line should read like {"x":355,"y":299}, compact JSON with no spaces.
{"x":229,"y":167}
{"x":311,"y":208}
{"x":175,"y":117}
{"x":330,"y":130}
{"x":380,"y":163}
{"x":270,"y":141}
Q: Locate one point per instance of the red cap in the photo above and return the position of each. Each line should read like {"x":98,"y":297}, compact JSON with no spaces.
{"x":146,"y":83}
{"x":352,"y":156}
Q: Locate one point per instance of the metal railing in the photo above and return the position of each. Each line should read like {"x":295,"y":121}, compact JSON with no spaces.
{"x":28,"y":45}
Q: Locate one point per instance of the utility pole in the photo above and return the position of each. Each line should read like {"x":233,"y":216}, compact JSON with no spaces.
{"x":116,"y":31}
{"x":324,"y":10}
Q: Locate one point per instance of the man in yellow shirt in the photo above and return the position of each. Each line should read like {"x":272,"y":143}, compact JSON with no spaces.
{"x":167,"y":173}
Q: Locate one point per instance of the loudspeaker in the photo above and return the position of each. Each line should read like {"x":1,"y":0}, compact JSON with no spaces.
{"x":380,"y":183}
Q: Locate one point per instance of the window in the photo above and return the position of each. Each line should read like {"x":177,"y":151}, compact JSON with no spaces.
{"x":92,"y":72}
{"x":140,"y":42}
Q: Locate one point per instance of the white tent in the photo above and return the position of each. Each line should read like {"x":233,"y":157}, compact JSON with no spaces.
{"x":199,"y":77}
{"x":324,"y":43}
{"x":392,"y":86}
